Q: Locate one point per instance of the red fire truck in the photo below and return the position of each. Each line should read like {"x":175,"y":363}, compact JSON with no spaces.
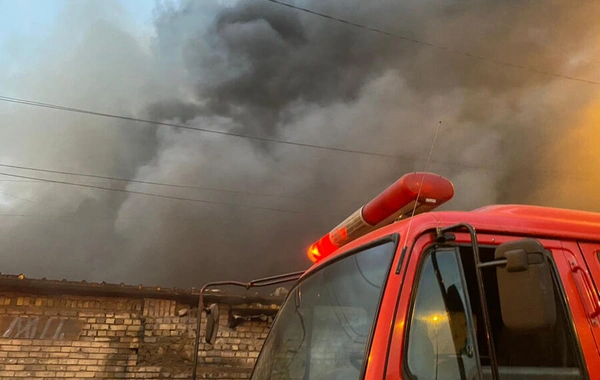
{"x":400,"y":292}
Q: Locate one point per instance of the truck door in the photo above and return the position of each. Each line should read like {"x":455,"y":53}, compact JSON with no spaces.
{"x":440,"y":330}
{"x":585,"y":267}
{"x":591,"y":256}
{"x":582,"y":298}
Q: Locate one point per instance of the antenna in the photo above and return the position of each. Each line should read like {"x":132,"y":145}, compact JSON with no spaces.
{"x":437,"y":130}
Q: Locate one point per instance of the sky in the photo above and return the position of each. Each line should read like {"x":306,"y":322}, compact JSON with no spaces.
{"x":509,"y":133}
{"x":25,"y":24}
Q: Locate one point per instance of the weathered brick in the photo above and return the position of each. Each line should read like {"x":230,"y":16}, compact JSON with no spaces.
{"x":67,"y":361}
{"x":24,"y":360}
{"x":87,"y":362}
{"x":34,"y":367}
{"x":14,"y":367}
{"x":6,"y":347}
{"x":27,"y":375}
{"x":19,"y":354}
{"x":56,"y":367}
{"x":93,"y":350}
{"x":44,"y":374}
{"x":115,"y":368}
{"x":104,"y":350}
{"x":84,"y":374}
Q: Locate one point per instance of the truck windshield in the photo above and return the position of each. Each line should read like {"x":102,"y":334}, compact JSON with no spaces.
{"x":324,"y":327}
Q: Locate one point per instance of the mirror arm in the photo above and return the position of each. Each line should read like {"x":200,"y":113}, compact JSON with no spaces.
{"x":261,"y":282}
{"x":201,"y":308}
{"x":440,"y":232}
{"x":274,"y":280}
{"x":495,"y":263}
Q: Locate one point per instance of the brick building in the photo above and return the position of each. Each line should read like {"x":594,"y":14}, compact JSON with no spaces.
{"x":65,"y":329}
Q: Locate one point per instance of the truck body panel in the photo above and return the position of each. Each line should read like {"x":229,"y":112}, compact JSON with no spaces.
{"x":571,"y":242}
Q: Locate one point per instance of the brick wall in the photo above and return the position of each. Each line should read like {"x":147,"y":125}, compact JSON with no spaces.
{"x":61,"y":337}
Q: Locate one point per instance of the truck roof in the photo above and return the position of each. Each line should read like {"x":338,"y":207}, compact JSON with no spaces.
{"x":529,"y":220}
{"x":542,"y":222}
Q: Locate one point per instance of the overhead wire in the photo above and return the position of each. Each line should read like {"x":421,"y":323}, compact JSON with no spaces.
{"x":435,"y":46}
{"x":171,"y":197}
{"x":95,"y":217}
{"x":198,"y":129}
{"x":155,"y":183}
{"x":462,"y":165}
{"x":264,"y":139}
{"x":19,"y":198}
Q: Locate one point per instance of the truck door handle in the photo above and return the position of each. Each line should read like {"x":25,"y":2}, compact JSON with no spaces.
{"x":588,"y":295}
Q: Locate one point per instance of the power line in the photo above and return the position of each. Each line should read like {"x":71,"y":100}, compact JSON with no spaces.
{"x":435,"y":46}
{"x":277,"y":141}
{"x":162,"y":195}
{"x":27,"y":200}
{"x":182,"y":126}
{"x":70,"y":217}
{"x":26,"y":181}
{"x":572,"y":175}
{"x":581,"y":176}
{"x":20,"y":198}
{"x":164,"y":184}
{"x":265,"y":139}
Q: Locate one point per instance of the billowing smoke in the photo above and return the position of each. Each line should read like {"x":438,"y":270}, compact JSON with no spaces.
{"x":261,"y":69}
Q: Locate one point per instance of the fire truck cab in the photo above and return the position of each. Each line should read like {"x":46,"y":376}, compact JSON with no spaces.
{"x":398,"y":291}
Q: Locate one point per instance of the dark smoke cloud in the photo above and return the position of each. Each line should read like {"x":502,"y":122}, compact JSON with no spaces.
{"x":256,"y":59}
{"x":507,"y":134}
{"x":91,"y":60}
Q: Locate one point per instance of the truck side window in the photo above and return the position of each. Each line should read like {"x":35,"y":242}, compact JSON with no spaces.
{"x":550,"y":353}
{"x":440,"y":336}
{"x":443,"y":327}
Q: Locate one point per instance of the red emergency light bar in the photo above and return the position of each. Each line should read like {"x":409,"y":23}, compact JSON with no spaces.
{"x":394,"y":203}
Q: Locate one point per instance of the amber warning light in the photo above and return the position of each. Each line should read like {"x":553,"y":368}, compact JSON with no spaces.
{"x":394,"y":203}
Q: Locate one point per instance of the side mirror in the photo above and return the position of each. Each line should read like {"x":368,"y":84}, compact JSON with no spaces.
{"x":525,"y":286}
{"x":212,"y":323}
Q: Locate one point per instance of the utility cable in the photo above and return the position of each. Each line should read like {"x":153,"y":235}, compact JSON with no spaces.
{"x":581,"y":176}
{"x":182,"y":126}
{"x":436,"y":46}
{"x":161,"y":195}
{"x":164,"y":184}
